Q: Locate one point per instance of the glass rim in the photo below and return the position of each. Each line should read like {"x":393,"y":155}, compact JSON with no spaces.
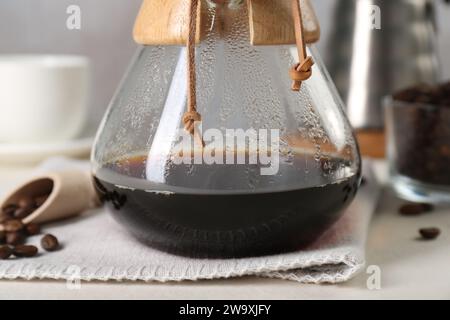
{"x":389,"y":102}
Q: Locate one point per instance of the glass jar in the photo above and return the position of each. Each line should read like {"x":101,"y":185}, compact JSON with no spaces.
{"x":419,"y":150}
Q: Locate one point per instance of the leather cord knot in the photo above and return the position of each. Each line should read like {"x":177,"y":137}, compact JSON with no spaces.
{"x":191,"y":115}
{"x":189,"y":119}
{"x":301,"y":72}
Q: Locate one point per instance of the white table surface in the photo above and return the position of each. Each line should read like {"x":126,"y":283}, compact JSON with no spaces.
{"x":409,"y":268}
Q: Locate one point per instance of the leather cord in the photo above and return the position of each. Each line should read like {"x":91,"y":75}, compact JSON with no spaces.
{"x":303,"y":70}
{"x":298,"y":73}
{"x":191,"y":116}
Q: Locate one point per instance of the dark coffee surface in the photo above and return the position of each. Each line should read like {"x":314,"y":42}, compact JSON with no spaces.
{"x":220,"y":224}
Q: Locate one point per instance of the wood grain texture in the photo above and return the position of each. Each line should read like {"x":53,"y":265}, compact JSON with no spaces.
{"x":271,"y":22}
{"x":301,"y":145}
{"x":372,"y":143}
{"x":165,"y":22}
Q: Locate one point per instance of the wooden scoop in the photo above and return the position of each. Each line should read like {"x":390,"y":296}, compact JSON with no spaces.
{"x":69,"y":194}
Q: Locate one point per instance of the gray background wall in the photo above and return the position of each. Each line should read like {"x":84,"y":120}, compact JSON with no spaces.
{"x":38,"y":26}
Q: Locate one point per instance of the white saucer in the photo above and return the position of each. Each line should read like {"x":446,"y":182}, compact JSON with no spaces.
{"x":32,"y":153}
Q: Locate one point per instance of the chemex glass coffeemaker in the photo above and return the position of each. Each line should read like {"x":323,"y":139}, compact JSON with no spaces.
{"x":227,"y":137}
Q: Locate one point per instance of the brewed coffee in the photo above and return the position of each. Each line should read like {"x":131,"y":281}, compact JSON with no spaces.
{"x":200,"y":211}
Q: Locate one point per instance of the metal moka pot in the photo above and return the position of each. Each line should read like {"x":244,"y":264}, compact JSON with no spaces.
{"x":369,"y":59}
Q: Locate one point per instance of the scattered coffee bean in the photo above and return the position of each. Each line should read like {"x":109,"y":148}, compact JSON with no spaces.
{"x":4,"y":218}
{"x":26,"y":203}
{"x":32,"y":229}
{"x":430,"y":233}
{"x":22,"y":213}
{"x":414,"y":209}
{"x":2,"y":237}
{"x":24,"y":207}
{"x":411,"y":209}
{"x":39,"y":201}
{"x":25,"y":251}
{"x":49,"y":243}
{"x":427,"y":207}
{"x":15,"y":238}
{"x":14,"y":231}
{"x":5,"y":252}
{"x":9,"y":210}
{"x":13,"y":225}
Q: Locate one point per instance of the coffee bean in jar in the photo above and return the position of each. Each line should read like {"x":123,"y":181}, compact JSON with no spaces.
{"x":418,"y":125}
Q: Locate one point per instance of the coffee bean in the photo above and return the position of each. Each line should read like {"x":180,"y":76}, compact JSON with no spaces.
{"x":5,"y":252}
{"x":32,"y":229}
{"x":4,"y":218}
{"x":25,"y":251}
{"x":411,"y":209}
{"x":15,"y":238}
{"x":22,"y":213}
{"x":427,"y":207}
{"x":13,"y":225}
{"x":39,"y":201}
{"x":9,"y":210}
{"x":49,"y":242}
{"x":26,"y":202}
{"x":430,"y":233}
{"x":2,"y":237}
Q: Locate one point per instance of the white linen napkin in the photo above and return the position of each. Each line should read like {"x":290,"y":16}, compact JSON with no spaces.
{"x":95,"y":247}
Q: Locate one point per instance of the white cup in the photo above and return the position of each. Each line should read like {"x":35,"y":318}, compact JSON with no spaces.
{"x":43,"y":98}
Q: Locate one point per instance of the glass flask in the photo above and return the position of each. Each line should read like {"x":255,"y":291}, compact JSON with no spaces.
{"x":277,"y":168}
